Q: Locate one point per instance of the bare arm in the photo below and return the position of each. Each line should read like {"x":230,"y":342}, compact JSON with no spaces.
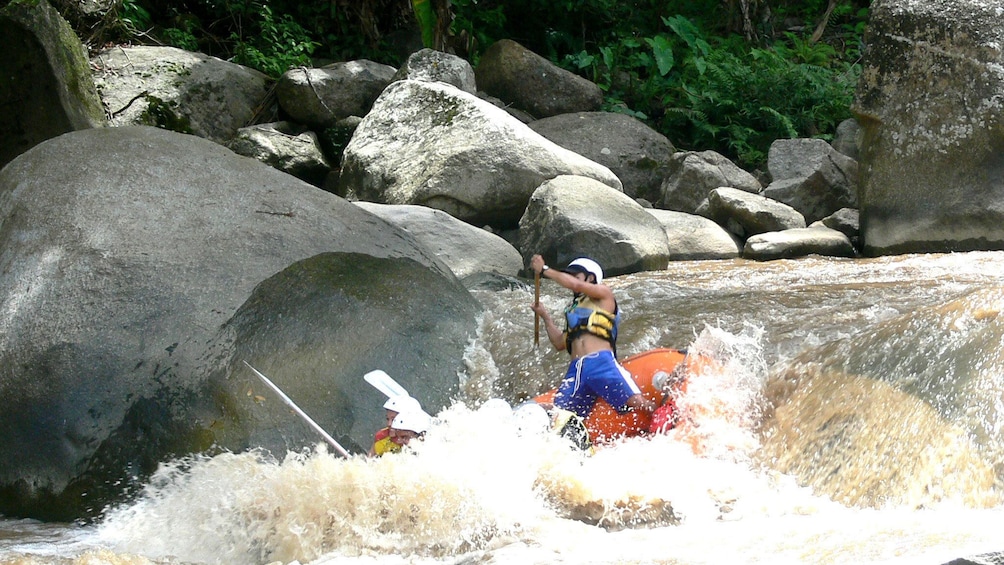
{"x":601,"y":293}
{"x":555,"y":335}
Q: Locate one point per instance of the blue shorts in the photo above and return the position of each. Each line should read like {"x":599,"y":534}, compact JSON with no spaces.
{"x":595,"y":375}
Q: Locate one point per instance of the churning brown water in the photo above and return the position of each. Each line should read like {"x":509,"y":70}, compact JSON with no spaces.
{"x":857,"y":418}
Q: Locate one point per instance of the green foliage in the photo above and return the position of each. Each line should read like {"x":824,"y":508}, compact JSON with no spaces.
{"x":476,"y":25}
{"x":727,"y":96}
{"x":275,"y":46}
{"x":691,"y":69}
{"x":747,"y":99}
{"x":349,"y":29}
{"x":162,"y":114}
{"x":126,"y":20}
{"x":804,"y":51}
{"x":333,"y":141}
{"x":134,"y":17}
{"x":426,"y":18}
{"x":678,"y":65}
{"x":180,"y":38}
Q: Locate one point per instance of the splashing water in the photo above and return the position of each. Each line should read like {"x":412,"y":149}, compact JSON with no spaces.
{"x":722,"y":403}
{"x":476,"y":483}
{"x":478,"y":490}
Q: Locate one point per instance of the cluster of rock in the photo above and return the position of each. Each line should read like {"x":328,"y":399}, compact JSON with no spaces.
{"x":574,"y":181}
{"x":437,"y":141}
{"x":424,"y":135}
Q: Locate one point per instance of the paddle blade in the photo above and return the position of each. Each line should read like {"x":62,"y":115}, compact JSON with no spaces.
{"x":384,"y":383}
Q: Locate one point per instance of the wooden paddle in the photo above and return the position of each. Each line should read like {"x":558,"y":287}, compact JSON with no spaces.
{"x":536,"y":302}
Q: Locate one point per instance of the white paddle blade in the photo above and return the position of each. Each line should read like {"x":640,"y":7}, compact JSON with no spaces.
{"x":384,"y":383}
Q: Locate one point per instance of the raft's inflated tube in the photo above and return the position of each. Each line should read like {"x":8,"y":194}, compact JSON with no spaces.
{"x":605,"y":424}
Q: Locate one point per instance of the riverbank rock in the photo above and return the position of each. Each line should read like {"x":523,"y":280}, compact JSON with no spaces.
{"x":746,"y":214}
{"x":812,"y":177}
{"x":179,"y":90}
{"x":571,"y":217}
{"x":320,"y":97}
{"x":847,"y":138}
{"x":47,"y":88}
{"x":636,"y":153}
{"x":693,"y":237}
{"x":430,"y":144}
{"x":464,"y":248}
{"x":287,"y":146}
{"x":845,"y":221}
{"x":798,"y":242}
{"x":931,"y":106}
{"x":524,"y":79}
{"x":435,"y":66}
{"x":694,"y":174}
{"x":133,"y":291}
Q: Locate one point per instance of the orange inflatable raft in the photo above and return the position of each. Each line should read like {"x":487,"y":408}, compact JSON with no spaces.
{"x":605,"y":424}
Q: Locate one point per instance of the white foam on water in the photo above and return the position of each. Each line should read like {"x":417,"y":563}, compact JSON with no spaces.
{"x":475,"y":491}
{"x":477,"y":485}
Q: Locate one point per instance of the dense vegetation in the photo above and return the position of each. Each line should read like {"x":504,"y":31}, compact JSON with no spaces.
{"x":728,"y":75}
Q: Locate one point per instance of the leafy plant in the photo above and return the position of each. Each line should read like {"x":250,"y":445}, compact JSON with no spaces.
{"x":134,"y":17}
{"x":476,"y":25}
{"x":744,"y":101}
{"x":279,"y":44}
{"x":180,"y":38}
{"x":165,"y":115}
{"x":724,"y":95}
{"x":426,"y":17}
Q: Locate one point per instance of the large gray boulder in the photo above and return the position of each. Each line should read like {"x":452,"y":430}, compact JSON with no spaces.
{"x":693,"y":237}
{"x":846,"y":221}
{"x":46,"y":87}
{"x":435,"y":66}
{"x":141,"y":267}
{"x":798,"y":242}
{"x":287,"y":146}
{"x":847,"y":138}
{"x":319,"y":97}
{"x":464,"y":248}
{"x":430,"y":144}
{"x":931,"y":104}
{"x":812,"y":177}
{"x":746,"y":214}
{"x":178,"y":90}
{"x":693,"y":174}
{"x":520,"y":77}
{"x":636,"y":153}
{"x":570,"y":217}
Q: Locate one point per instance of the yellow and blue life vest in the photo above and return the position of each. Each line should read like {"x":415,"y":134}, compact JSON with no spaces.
{"x":583,"y":315}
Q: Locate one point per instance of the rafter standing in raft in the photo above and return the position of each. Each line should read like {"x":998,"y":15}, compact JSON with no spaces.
{"x":590,"y":337}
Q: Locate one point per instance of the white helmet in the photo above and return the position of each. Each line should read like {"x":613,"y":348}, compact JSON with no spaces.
{"x":402,"y":403}
{"x":585,"y":265}
{"x":414,"y":420}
